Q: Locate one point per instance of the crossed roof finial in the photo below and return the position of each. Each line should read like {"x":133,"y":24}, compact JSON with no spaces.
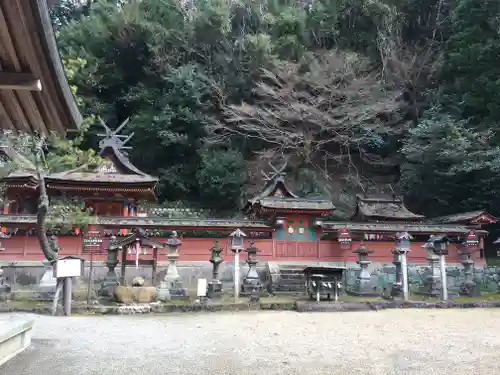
{"x":112,"y":138}
{"x":276,"y":171}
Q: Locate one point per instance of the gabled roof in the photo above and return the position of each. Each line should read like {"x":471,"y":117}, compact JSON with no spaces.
{"x":138,"y":235}
{"x":117,"y":171}
{"x":373,"y":208}
{"x":479,"y":217}
{"x":276,"y":196}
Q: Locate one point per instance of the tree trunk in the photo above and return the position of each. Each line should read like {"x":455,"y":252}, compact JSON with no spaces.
{"x":41,"y":221}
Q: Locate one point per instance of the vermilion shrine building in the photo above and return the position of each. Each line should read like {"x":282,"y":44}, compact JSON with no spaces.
{"x":285,"y":227}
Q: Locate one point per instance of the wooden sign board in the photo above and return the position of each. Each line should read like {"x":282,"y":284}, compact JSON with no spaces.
{"x":68,"y":268}
{"x":202,"y":288}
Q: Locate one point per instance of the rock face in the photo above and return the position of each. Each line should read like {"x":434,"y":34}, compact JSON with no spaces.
{"x":140,"y":294}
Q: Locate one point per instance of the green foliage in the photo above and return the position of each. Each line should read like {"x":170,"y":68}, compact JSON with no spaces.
{"x":471,"y":68}
{"x":221,"y":177}
{"x":451,"y":165}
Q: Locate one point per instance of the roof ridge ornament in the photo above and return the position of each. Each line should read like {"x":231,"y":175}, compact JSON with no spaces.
{"x":277,"y":172}
{"x":113,"y":138}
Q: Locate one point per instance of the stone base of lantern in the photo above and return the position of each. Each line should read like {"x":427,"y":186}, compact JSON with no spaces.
{"x":109,"y":285}
{"x":431,"y":288}
{"x":251,"y":288}
{"x":46,"y":288}
{"x":470,"y":289}
{"x":172,"y":290}
{"x":214,"y":289}
{"x":364,"y":287}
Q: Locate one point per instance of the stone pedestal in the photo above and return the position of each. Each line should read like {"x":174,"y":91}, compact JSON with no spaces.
{"x":46,"y":288}
{"x":214,"y":289}
{"x":171,"y":286}
{"x":109,"y":284}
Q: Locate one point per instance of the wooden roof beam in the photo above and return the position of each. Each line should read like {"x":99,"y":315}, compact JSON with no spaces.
{"x":19,"y":81}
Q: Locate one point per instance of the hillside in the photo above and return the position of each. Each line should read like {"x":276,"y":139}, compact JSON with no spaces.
{"x":358,"y":95}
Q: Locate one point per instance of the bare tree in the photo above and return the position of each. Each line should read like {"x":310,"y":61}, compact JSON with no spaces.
{"x":323,"y":110}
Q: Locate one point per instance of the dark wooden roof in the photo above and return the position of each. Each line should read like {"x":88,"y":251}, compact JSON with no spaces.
{"x":34,"y":91}
{"x":138,"y":234}
{"x":479,"y":217}
{"x":394,"y":227}
{"x":117,"y":172}
{"x":277,"y":196}
{"x":372,"y":208}
{"x":152,"y":222}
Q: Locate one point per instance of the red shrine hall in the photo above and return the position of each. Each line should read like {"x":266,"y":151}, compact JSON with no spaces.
{"x":284,"y":226}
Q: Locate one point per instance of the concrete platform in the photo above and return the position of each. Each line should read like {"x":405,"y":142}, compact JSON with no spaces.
{"x":15,"y":336}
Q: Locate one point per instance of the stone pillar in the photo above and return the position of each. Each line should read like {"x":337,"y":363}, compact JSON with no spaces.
{"x":251,"y":283}
{"x":171,"y":286}
{"x":110,"y":282}
{"x":215,"y":286}
{"x":364,"y":285}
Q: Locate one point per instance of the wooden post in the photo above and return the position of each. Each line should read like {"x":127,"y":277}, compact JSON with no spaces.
{"x":155,"y":264}
{"x":123,"y":266}
{"x":67,"y":296}
{"x":91,"y":278}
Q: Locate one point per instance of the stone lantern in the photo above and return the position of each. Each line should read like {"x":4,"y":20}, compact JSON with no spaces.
{"x":363,"y":284}
{"x":437,"y":247}
{"x":215,"y":286}
{"x":110,"y":281}
{"x":467,"y":248}
{"x":403,"y":246}
{"x":251,"y":282}
{"x":171,"y":286}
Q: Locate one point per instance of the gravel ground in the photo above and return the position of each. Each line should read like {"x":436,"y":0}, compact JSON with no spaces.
{"x":385,"y":342}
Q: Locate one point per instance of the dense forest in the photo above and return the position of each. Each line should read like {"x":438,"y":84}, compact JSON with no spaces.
{"x":374,"y":96}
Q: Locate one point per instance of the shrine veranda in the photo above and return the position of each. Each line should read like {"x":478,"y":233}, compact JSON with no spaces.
{"x":289,"y":231}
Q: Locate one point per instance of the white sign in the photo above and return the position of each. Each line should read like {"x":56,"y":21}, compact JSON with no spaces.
{"x":202,"y":288}
{"x":68,"y":268}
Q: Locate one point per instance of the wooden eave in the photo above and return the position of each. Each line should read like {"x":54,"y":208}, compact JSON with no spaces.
{"x":29,"y":61}
{"x":479,"y":217}
{"x":415,"y":228}
{"x":391,"y":209}
{"x":144,"y":240}
{"x":151,"y":222}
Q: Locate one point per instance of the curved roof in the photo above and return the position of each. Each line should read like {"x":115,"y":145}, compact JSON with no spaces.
{"x":34,"y":92}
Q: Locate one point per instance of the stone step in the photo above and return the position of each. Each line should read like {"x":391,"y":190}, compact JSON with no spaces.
{"x":15,"y":336}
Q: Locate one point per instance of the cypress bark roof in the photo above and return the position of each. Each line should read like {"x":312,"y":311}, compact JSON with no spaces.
{"x":471,"y":217}
{"x":383,"y":208}
{"x":277,"y":196}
